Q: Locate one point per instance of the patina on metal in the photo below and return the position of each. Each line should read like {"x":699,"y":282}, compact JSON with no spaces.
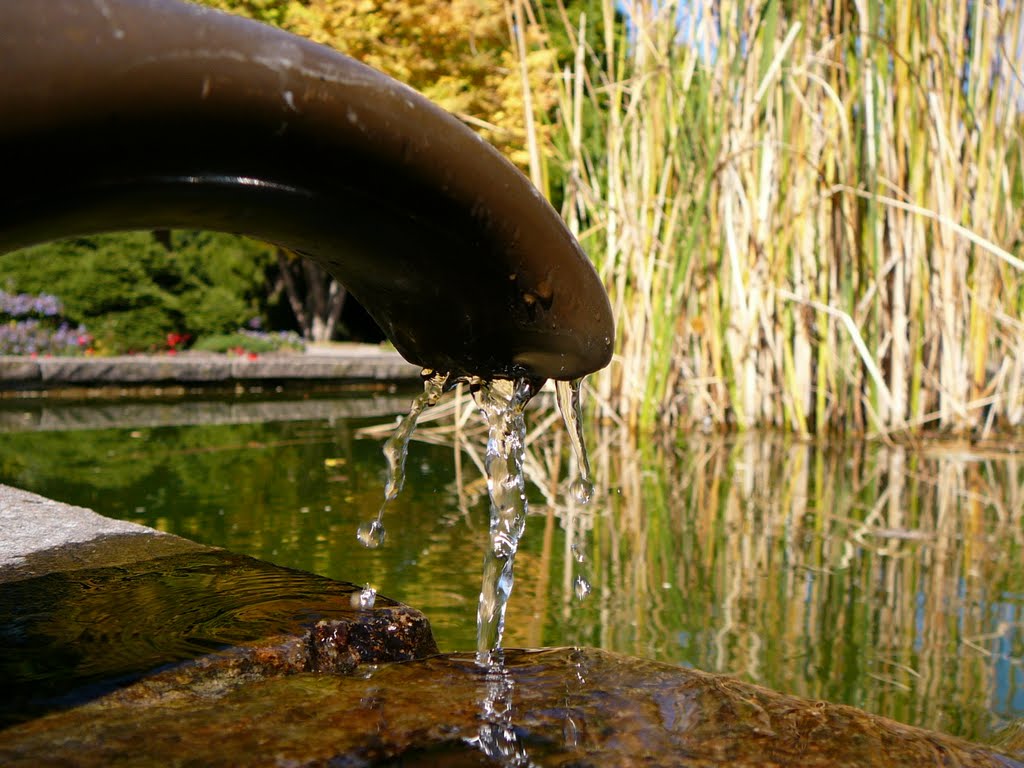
{"x":134,"y":114}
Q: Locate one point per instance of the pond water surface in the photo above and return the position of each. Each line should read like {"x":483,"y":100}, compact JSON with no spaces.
{"x":884,"y":577}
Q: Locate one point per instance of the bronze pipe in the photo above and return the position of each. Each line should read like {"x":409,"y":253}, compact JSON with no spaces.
{"x":145,"y":114}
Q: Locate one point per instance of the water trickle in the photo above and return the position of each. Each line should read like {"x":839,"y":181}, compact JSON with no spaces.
{"x":567,"y":394}
{"x":502,"y":403}
{"x":396,"y":449}
{"x":581,"y":489}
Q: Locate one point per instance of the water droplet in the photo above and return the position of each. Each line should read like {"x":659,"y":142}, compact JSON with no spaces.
{"x":578,"y":554}
{"x":365,"y":671}
{"x":582,"y":588}
{"x":371,"y":535}
{"x":582,"y":490}
{"x":367,"y":597}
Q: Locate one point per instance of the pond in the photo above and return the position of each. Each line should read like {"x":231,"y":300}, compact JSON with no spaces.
{"x":881,"y":576}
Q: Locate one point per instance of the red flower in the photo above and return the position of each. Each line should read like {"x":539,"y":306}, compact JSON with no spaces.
{"x":175,"y":340}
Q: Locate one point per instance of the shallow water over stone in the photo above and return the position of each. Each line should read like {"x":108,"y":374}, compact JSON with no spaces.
{"x":70,"y":635}
{"x":556,"y":707}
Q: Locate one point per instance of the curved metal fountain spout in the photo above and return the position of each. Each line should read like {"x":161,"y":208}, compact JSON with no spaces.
{"x":132,"y":114}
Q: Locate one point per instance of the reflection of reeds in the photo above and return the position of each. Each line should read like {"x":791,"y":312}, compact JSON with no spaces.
{"x":874,"y":576}
{"x":801,"y":210}
{"x":880,"y":576}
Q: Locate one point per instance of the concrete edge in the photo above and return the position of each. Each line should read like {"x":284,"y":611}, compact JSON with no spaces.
{"x":39,"y":536}
{"x":350,"y":365}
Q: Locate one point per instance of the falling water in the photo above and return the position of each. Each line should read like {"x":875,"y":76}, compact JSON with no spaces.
{"x":582,"y":488}
{"x":396,"y":449}
{"x":502,"y":403}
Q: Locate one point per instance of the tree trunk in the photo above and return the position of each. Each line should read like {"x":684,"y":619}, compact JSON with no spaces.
{"x":316,"y":298}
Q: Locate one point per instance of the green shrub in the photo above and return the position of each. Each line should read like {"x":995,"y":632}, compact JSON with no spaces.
{"x":132,"y":289}
{"x":249,"y":341}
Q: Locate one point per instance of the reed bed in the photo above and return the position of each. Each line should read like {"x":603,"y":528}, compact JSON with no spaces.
{"x":808,"y":216}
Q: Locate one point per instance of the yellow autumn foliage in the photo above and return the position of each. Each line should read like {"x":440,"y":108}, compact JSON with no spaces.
{"x":458,"y":53}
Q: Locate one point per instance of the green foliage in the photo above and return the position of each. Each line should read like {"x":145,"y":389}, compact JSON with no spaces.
{"x":248,"y":342}
{"x":131,"y":289}
{"x":226,"y":278}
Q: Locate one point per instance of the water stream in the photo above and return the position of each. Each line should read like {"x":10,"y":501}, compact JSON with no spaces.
{"x":396,"y":450}
{"x":581,"y":489}
{"x":502,"y":403}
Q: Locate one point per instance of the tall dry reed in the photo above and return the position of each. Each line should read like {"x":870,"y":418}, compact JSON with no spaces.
{"x":808,"y":215}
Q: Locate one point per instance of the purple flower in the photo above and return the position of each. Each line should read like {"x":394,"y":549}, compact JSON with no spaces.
{"x":26,"y":305}
{"x":31,"y":336}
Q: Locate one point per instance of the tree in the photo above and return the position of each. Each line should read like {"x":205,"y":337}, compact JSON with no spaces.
{"x":457,"y":53}
{"x":316,"y":298}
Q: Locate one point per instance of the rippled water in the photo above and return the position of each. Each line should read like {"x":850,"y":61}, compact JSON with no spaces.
{"x":85,"y":631}
{"x":883,"y":577}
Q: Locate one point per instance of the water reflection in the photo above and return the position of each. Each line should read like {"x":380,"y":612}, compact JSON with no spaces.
{"x":881,"y":576}
{"x":497,"y":737}
{"x":885,"y":577}
{"x":872,"y":575}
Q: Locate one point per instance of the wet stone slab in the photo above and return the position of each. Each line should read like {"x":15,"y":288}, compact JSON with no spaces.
{"x":559,"y":707}
{"x":70,"y":635}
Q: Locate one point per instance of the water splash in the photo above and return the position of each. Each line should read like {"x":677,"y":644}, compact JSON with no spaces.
{"x":581,"y":489}
{"x":367,"y":597}
{"x":502,"y":403}
{"x":396,"y":449}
